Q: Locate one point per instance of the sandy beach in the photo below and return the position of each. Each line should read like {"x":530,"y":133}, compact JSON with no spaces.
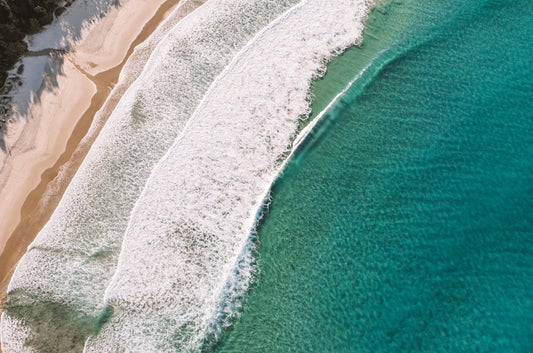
{"x":45,"y":152}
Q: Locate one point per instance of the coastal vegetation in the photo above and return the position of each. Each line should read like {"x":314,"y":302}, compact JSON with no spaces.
{"x":19,"y":18}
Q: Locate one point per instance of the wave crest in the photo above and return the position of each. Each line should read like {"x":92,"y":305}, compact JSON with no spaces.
{"x":193,"y":221}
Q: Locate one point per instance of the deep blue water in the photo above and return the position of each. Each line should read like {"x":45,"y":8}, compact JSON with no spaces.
{"x":406,"y":222}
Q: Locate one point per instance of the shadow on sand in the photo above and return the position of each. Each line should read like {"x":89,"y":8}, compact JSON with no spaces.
{"x":25,"y":85}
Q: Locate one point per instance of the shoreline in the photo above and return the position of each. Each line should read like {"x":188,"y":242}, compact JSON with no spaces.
{"x":54,"y":148}
{"x":233,"y":172}
{"x":270,"y":183}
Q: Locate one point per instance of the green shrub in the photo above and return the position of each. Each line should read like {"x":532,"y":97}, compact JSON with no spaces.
{"x":19,"y":18}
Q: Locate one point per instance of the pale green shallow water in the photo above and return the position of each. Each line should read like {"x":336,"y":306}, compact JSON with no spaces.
{"x":405,"y":223}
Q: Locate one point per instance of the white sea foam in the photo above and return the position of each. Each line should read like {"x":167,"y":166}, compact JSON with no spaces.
{"x":191,"y":225}
{"x":57,"y":290}
{"x":20,"y":333}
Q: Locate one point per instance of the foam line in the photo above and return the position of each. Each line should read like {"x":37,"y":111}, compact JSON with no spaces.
{"x":69,"y":265}
{"x":305,"y":131}
{"x":190,"y":225}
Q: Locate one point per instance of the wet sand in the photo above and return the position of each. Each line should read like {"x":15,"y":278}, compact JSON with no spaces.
{"x":48,"y":152}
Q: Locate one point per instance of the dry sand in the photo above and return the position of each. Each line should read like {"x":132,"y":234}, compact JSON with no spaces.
{"x":46,"y":152}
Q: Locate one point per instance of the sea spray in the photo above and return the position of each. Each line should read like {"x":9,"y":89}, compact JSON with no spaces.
{"x":197,"y":210}
{"x":55,"y":298}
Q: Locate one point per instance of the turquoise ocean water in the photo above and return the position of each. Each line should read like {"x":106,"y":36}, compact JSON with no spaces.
{"x":405,"y":222}
{"x":402,"y":223}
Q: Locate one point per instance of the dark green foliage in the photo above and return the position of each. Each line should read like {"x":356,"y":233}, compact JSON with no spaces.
{"x":19,"y":18}
{"x":59,"y":11}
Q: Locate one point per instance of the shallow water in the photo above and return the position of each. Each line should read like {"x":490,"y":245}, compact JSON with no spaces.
{"x":55,"y":299}
{"x":402,"y":223}
{"x":405,"y":222}
{"x":148,"y":249}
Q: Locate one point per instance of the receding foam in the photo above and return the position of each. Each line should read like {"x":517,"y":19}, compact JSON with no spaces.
{"x":191,"y":226}
{"x":56,"y":294}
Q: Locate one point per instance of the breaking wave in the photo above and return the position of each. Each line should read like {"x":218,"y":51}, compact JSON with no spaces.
{"x":191,"y":226}
{"x":55,"y":297}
